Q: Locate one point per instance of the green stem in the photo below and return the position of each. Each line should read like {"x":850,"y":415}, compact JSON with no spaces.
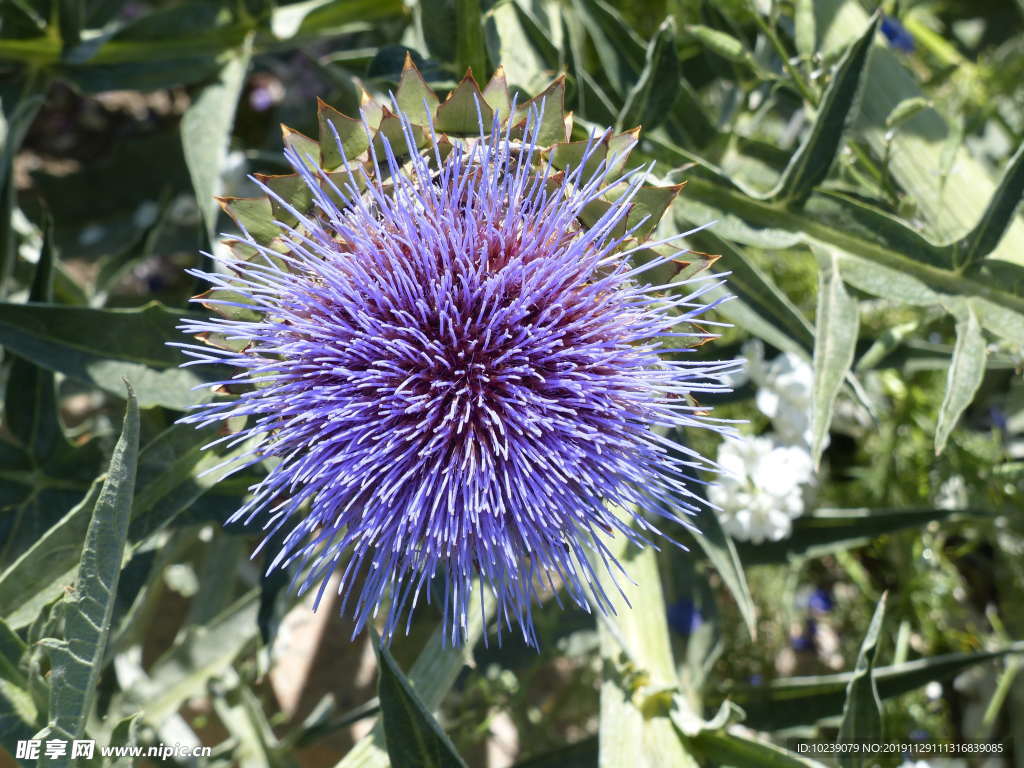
{"x":801,"y":83}
{"x":775,"y":216}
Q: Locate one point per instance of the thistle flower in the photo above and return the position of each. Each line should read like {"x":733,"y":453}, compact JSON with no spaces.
{"x":449,"y":357}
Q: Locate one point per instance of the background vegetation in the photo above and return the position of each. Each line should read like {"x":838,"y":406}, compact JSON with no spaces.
{"x":863,"y":166}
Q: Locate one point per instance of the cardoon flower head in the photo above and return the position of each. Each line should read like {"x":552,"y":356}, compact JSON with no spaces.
{"x":450,"y":355}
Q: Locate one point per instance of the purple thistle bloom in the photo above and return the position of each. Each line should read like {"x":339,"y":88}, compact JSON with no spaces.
{"x":454,"y":379}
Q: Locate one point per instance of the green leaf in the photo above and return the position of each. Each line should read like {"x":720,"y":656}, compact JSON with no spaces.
{"x":638,"y":669}
{"x":649,"y":101}
{"x":986,"y":234}
{"x":18,"y":107}
{"x":966,"y":371}
{"x":721,"y":44}
{"x":125,"y":734}
{"x":887,"y":342}
{"x":432,"y":676}
{"x":760,"y":306}
{"x":307,"y":149}
{"x":806,"y":28}
{"x":206,"y":131}
{"x":619,"y":49}
{"x":569,"y":155}
{"x":831,"y":218}
{"x":862,"y":713}
{"x":905,"y":110}
{"x":76,"y":660}
{"x":174,"y":473}
{"x":835,"y":341}
{"x":742,"y":748}
{"x":47,"y":568}
{"x":721,"y":552}
{"x":512,"y":40}
{"x":173,"y":36}
{"x":242,"y":714}
{"x":496,"y":94}
{"x":464,"y":111}
{"x":167,"y":484}
{"x":18,"y":713}
{"x":922,"y":155}
{"x":998,"y":320}
{"x":886,"y":282}
{"x":435,"y":20}
{"x":103,"y":346}
{"x":469,"y":39}
{"x":414,"y":738}
{"x":793,"y":701}
{"x":811,"y":162}
{"x":648,"y":206}
{"x":37,"y":493}
{"x":824,"y":531}
{"x":302,"y":22}
{"x":30,"y":404}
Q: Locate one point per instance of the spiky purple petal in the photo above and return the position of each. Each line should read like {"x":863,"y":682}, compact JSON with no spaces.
{"x":455,"y":379}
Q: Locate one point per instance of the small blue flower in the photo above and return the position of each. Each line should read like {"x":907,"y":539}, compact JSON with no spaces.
{"x":897,"y":35}
{"x":451,"y":378}
{"x":805,"y":640}
{"x":684,"y":617}
{"x":820,"y":601}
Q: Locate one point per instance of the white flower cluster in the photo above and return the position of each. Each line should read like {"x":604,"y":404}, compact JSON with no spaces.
{"x":765,"y":479}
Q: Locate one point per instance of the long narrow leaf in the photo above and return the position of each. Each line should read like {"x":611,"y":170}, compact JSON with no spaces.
{"x":414,"y":738}
{"x":760,"y":305}
{"x":809,"y":166}
{"x":432,"y":675}
{"x":30,"y":404}
{"x":986,"y":234}
{"x":966,"y":371}
{"x":206,"y":131}
{"x":862,"y":713}
{"x":741,"y":748}
{"x":829,"y":530}
{"x":104,"y":346}
{"x":804,"y":700}
{"x":835,"y":341}
{"x":649,"y":101}
{"x":469,"y":39}
{"x":45,"y":569}
{"x":18,"y":712}
{"x":76,"y":660}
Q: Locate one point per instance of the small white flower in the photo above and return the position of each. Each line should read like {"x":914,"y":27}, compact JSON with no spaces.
{"x":951,"y":494}
{"x":785,"y":385}
{"x":760,"y":490}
